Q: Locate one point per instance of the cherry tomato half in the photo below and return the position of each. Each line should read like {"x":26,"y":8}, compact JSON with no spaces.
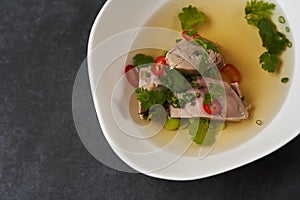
{"x":187,"y":37}
{"x":231,"y":72}
{"x":159,"y":65}
{"x":132,"y":75}
{"x":213,"y":108}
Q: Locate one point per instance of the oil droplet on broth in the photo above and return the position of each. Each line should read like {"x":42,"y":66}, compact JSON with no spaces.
{"x":240,"y":45}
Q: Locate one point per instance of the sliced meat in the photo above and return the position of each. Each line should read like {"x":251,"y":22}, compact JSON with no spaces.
{"x":147,"y":79}
{"x":186,"y":57}
{"x":233,"y":108}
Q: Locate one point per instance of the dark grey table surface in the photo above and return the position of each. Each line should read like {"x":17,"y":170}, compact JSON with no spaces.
{"x":42,"y":44}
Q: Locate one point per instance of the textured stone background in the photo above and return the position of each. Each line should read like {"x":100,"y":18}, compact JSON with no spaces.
{"x":42,"y":44}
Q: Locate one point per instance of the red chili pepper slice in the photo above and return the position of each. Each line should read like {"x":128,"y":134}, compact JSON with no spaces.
{"x":187,"y":37}
{"x":159,"y":65}
{"x":213,"y":108}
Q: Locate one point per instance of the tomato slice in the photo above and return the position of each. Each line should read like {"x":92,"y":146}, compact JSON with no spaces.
{"x":187,"y":37}
{"x":132,"y":75}
{"x":213,"y":108}
{"x":231,"y":72}
{"x":159,"y":65}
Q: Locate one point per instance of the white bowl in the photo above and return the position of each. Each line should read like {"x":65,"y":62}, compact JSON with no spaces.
{"x":116,"y":32}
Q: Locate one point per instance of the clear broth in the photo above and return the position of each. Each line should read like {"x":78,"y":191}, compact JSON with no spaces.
{"x":240,"y":45}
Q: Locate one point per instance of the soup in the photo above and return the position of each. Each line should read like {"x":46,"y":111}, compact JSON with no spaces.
{"x":240,"y":44}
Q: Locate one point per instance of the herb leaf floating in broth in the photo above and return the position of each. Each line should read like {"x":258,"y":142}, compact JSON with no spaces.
{"x":274,"y":41}
{"x":190,"y":17}
{"x":258,"y":13}
{"x":258,"y":10}
{"x":268,"y":61}
{"x":140,"y":60}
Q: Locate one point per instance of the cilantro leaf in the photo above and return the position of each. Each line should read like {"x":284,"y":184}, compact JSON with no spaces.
{"x":140,"y":60}
{"x":275,"y":42}
{"x":256,"y":10}
{"x":269,"y":61}
{"x":258,"y":13}
{"x":149,"y":98}
{"x":190,"y":17}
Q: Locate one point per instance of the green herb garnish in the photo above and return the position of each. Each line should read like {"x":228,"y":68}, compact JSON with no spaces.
{"x":181,"y":102}
{"x":258,"y":13}
{"x":149,"y":98}
{"x":274,"y":41}
{"x":243,"y":98}
{"x":207,"y":98}
{"x":206,"y":44}
{"x":281,"y":19}
{"x":141,"y":60}
{"x":190,"y":17}
{"x":259,"y":122}
{"x":285,"y":80}
{"x":268,"y":61}
{"x":188,"y":97}
{"x":256,"y":10}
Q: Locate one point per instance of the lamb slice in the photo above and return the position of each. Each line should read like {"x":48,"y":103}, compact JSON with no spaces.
{"x":186,"y":57}
{"x":233,"y":108}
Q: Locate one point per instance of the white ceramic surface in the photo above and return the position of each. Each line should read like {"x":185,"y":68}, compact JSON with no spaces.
{"x":118,"y":16}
